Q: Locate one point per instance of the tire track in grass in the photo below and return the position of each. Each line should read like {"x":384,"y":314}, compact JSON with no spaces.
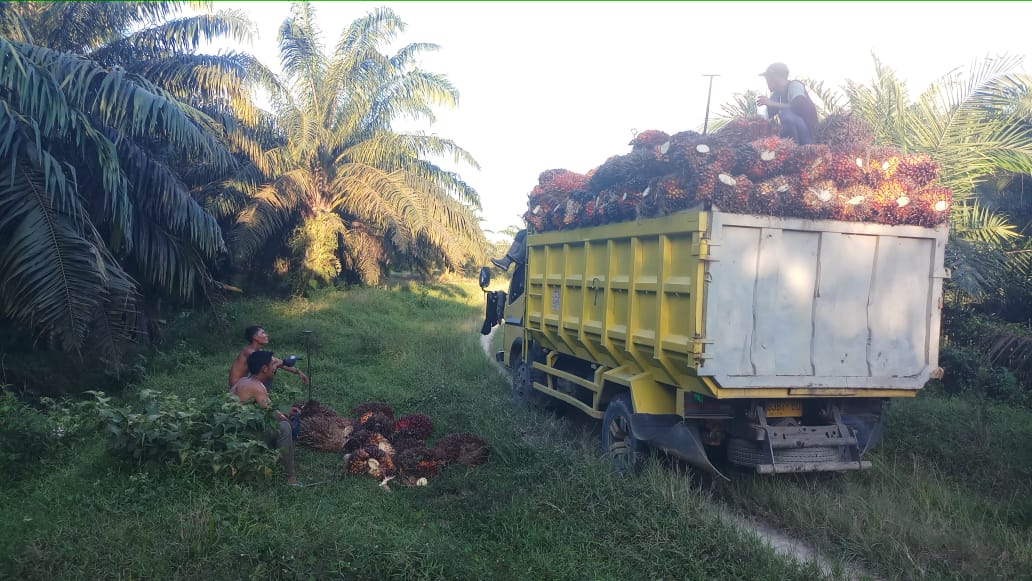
{"x":781,"y":542}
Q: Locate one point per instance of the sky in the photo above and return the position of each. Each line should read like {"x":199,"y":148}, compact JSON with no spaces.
{"x":567,"y":84}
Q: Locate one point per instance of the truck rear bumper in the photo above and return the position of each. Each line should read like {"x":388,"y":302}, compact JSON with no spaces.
{"x":812,"y":467}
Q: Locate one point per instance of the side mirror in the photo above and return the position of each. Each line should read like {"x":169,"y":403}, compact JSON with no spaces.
{"x":485,"y":277}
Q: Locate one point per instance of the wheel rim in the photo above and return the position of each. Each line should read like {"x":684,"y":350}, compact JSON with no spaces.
{"x":520,"y":384}
{"x":619,"y":442}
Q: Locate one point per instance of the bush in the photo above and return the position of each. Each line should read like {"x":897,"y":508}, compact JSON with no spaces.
{"x":26,"y":435}
{"x":969,"y":373}
{"x":218,"y":435}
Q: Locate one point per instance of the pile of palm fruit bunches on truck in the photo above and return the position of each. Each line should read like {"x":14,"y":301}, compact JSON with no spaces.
{"x":744,"y":168}
{"x":377,"y":444}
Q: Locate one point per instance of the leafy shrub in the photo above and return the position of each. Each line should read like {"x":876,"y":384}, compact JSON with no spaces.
{"x":218,"y":435}
{"x":968,"y":372}
{"x":26,"y":435}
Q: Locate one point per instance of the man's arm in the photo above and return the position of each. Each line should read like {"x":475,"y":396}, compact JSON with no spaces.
{"x":294,"y":370}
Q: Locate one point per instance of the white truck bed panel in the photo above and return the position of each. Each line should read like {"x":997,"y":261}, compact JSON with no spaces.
{"x":808,"y":303}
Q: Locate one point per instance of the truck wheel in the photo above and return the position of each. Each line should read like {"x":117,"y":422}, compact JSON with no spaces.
{"x":523,"y":391}
{"x":626,"y":451}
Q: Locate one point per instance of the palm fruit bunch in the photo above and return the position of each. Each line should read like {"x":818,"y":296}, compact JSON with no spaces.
{"x":549,"y":197}
{"x":771,"y":196}
{"x":743,"y":130}
{"x":651,"y":142}
{"x":385,"y":448}
{"x":809,"y":162}
{"x":378,"y":422}
{"x":681,"y":144}
{"x":880,"y":164}
{"x":358,"y":439}
{"x":821,"y":200}
{"x":375,"y":406}
{"x":418,"y":424}
{"x":405,"y":439}
{"x":845,"y":131}
{"x":845,"y":167}
{"x":416,"y":463}
{"x":373,"y":461}
{"x":917,"y":169}
{"x":699,"y":153}
{"x":765,"y":157}
{"x":465,"y":449}
{"x":732,"y":193}
{"x":890,"y":203}
{"x":618,"y":204}
{"x":324,"y":433}
{"x":671,"y":192}
{"x":932,"y":206}
{"x":857,"y":203}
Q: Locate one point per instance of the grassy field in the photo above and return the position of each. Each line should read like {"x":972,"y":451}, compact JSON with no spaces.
{"x":544,"y":507}
{"x":949,"y":496}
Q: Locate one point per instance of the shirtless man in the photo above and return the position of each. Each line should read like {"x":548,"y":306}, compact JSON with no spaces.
{"x":256,"y":339}
{"x":261,"y":368}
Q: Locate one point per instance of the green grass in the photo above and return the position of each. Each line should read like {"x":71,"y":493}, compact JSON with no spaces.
{"x":544,"y":507}
{"x":949,"y":496}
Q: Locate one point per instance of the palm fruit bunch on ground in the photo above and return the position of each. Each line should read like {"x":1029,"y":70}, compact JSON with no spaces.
{"x":325,"y":433}
{"x":417,"y":424}
{"x":375,"y":406}
{"x":745,"y":168}
{"x":416,"y":466}
{"x":322,"y":429}
{"x":465,"y":449}
{"x":394,"y":449}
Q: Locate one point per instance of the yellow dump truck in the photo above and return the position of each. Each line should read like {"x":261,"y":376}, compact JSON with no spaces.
{"x":764,"y":342}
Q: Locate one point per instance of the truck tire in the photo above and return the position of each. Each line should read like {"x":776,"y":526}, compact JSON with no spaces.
{"x":523,"y":391}
{"x":626,"y":452}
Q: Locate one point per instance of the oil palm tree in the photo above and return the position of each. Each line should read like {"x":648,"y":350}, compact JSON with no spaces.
{"x":342,"y":192}
{"x":103,"y":107}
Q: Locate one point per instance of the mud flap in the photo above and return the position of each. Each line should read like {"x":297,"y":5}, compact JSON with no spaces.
{"x":672,"y":435}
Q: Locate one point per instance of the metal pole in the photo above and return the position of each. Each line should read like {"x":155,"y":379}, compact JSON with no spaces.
{"x":308,"y":357}
{"x":709,"y":94}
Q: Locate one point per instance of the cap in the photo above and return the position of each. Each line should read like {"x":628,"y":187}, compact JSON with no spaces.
{"x":776,"y":69}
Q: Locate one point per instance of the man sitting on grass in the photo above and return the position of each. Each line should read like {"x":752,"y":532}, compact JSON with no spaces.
{"x":261,"y":368}
{"x":256,"y":339}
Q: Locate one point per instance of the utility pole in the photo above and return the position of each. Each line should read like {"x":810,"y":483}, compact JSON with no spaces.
{"x":709,"y":94}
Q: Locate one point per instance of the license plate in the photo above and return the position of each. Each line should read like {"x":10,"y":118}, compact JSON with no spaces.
{"x":784,"y":409}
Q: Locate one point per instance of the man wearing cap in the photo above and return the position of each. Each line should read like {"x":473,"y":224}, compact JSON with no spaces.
{"x":790,"y":102}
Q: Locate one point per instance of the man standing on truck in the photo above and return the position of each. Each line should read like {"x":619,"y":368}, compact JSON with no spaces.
{"x":789,"y":101}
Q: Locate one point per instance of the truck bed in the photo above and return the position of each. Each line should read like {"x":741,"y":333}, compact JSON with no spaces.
{"x":734,"y":305}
